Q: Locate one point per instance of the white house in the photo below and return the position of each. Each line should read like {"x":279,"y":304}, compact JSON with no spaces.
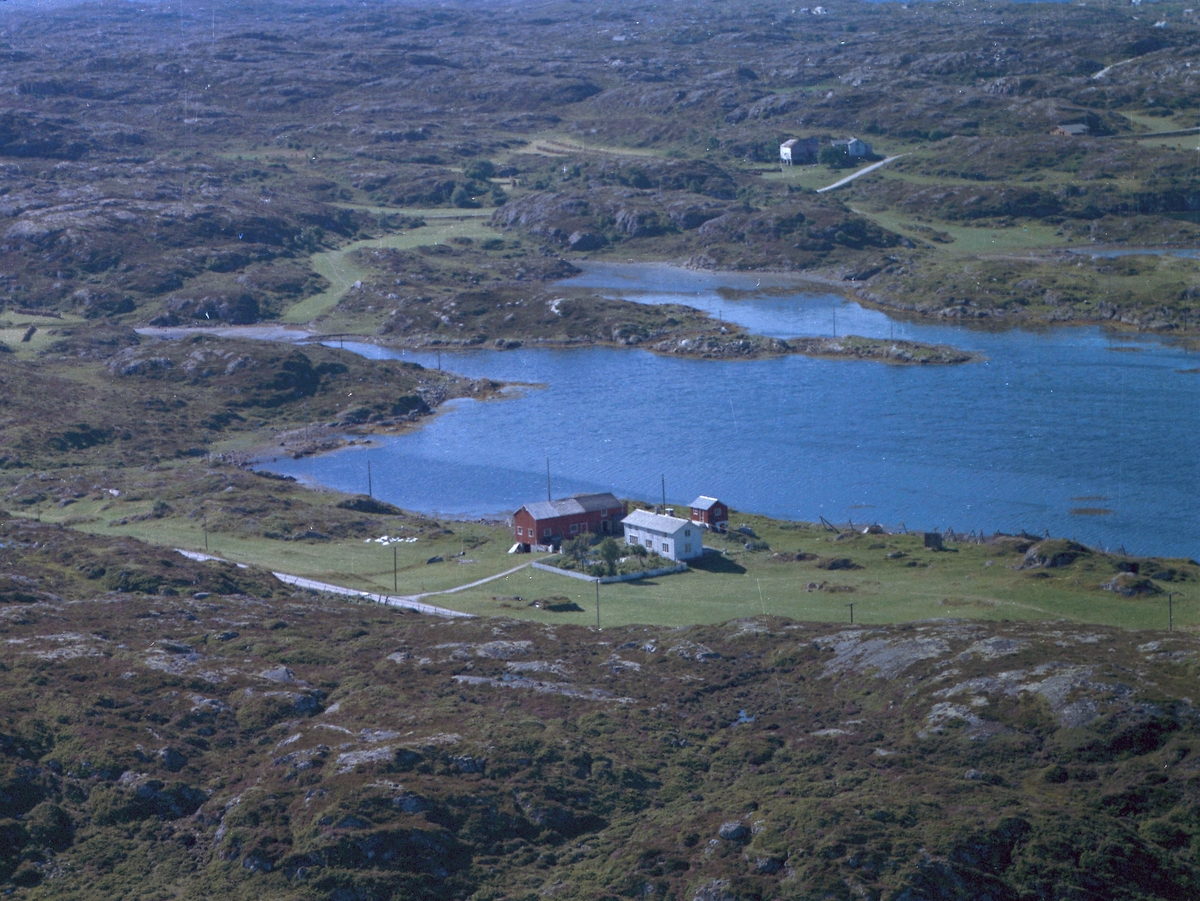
{"x":667,"y":536}
{"x":799,"y":150}
{"x":854,"y":147}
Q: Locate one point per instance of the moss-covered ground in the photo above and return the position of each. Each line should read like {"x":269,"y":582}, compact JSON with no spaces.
{"x":209,"y":732}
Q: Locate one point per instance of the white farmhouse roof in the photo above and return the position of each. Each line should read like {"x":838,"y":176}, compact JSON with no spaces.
{"x":655,"y":522}
{"x":703,"y":502}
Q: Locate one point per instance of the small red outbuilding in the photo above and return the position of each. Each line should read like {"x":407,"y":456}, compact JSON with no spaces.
{"x":710,"y":513}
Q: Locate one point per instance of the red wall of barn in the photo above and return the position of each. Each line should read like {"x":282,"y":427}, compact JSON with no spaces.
{"x":561,"y":525}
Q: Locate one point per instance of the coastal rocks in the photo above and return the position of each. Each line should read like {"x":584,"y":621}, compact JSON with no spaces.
{"x":898,"y":352}
{"x":1053,"y":553}
{"x":585,"y":241}
{"x":860,"y":652}
{"x":734,"y":832}
{"x":1131,"y":585}
{"x":715,"y":890}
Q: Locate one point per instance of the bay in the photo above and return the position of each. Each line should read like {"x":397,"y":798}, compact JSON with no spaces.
{"x":1072,"y":431}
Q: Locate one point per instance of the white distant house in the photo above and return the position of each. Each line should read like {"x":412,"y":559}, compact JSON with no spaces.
{"x":854,"y":147}
{"x":799,"y":150}
{"x":667,"y":536}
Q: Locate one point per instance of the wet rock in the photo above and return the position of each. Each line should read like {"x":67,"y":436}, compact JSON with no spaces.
{"x":411,"y":803}
{"x":734,"y":831}
{"x":715,"y":890}
{"x":835,"y":563}
{"x":172,"y":759}
{"x":584,"y":241}
{"x":466,"y":764}
{"x":279,"y":674}
{"x":256,"y":863}
{"x":1129,"y":585}
{"x":1053,"y":553}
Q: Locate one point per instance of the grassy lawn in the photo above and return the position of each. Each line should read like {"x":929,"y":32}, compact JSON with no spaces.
{"x":972,"y":241}
{"x":811,"y":177}
{"x":354,"y":563}
{"x":341,"y":272}
{"x":13,"y":326}
{"x":968,"y":581}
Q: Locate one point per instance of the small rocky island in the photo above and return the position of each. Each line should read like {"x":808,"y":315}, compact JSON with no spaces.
{"x":852,"y":347}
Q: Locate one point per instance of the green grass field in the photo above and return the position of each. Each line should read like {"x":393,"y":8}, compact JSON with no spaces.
{"x":341,"y":272}
{"x":13,"y":326}
{"x":968,"y":581}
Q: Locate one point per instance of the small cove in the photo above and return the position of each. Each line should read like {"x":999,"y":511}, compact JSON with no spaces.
{"x":1053,"y":416}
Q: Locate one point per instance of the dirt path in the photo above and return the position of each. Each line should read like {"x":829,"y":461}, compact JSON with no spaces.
{"x":408,"y":602}
{"x":860,"y":172}
{"x":1108,"y":69}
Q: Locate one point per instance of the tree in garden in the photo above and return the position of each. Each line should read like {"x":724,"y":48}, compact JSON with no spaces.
{"x":834,"y":157}
{"x":577,"y":548}
{"x":610,"y":553}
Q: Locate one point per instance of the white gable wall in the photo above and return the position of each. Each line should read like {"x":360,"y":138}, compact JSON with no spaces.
{"x":684,"y":543}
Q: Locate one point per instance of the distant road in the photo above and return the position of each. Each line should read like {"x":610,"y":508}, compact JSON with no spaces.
{"x":850,"y":178}
{"x":408,"y":602}
{"x":1108,"y":69}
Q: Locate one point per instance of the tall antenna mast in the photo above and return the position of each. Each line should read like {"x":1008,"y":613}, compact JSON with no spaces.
{"x":548,"y":479}
{"x":664,"y":491}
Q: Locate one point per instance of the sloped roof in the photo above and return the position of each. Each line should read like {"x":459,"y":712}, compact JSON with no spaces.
{"x":570,"y":506}
{"x":655,"y":522}
{"x":704,"y":502}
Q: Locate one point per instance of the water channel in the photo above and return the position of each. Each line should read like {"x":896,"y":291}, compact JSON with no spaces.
{"x":1071,"y":430}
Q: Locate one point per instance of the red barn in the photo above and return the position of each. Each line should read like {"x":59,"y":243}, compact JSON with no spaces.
{"x":550,"y":523}
{"x":710,"y":513}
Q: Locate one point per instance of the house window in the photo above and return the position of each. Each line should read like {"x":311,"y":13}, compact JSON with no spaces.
{"x":520,"y":531}
{"x":666,"y":547}
{"x":574,"y":527}
{"x":546,"y":533}
{"x":687,"y":532}
{"x":604,"y":513}
{"x":687,"y":548}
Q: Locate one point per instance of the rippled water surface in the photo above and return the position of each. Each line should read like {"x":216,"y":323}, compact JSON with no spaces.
{"x":1070,"y":430}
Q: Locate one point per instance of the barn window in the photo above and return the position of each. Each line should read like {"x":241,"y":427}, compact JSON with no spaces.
{"x":520,"y":531}
{"x":574,"y":527}
{"x":546,"y":533}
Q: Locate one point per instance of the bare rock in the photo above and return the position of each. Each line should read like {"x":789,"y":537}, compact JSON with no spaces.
{"x":733,"y":831}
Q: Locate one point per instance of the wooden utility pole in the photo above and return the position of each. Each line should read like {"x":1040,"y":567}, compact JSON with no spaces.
{"x":370,"y":491}
{"x":851,"y":606}
{"x":597,"y":604}
{"x":395,"y":569}
{"x":1171,"y":611}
